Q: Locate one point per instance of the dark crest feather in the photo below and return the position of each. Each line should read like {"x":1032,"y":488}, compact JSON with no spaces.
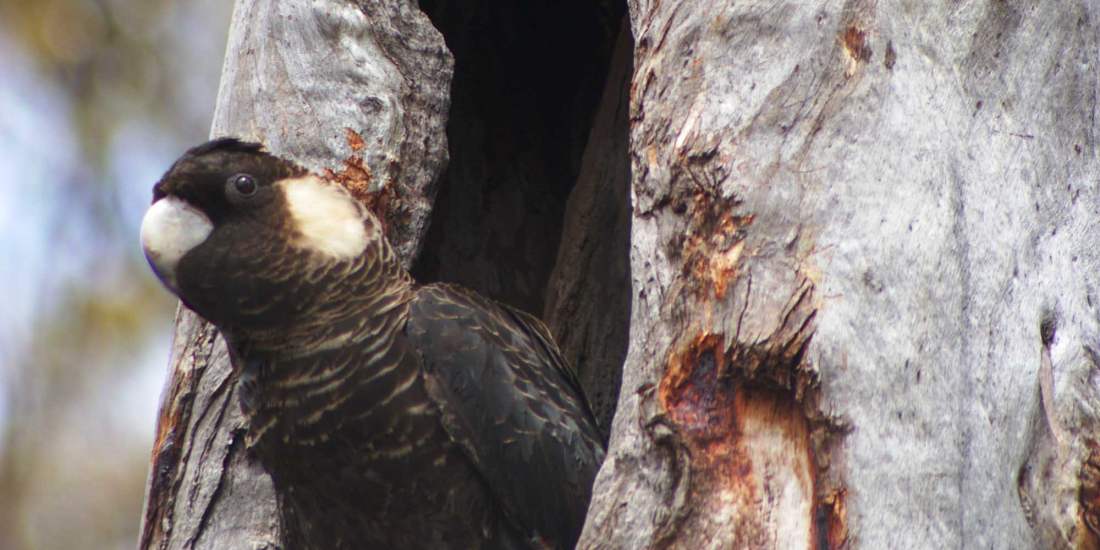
{"x":227,"y":144}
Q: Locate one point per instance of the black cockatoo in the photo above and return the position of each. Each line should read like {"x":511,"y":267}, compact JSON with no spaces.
{"x":389,"y":415}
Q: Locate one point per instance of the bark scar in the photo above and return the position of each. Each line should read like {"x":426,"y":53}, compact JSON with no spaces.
{"x":744,"y":416}
{"x":1089,"y":489}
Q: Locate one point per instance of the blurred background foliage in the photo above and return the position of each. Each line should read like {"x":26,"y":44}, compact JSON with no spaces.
{"x":97,"y":98}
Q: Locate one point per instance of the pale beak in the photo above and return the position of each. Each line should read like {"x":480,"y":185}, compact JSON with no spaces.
{"x":170,"y":229}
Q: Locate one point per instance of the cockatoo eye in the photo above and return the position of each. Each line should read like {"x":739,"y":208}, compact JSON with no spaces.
{"x":243,"y":185}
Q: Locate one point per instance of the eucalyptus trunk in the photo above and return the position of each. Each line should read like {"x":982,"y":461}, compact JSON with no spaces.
{"x":864,"y":250}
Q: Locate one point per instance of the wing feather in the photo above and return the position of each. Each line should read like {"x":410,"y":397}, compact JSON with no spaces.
{"x":509,"y":399}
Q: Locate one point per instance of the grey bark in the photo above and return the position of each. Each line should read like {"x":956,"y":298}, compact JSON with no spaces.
{"x":864,"y":263}
{"x":358,"y":90}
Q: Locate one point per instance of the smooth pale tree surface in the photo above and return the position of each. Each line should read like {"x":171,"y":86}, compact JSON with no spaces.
{"x":930,"y":172}
{"x":358,"y":88}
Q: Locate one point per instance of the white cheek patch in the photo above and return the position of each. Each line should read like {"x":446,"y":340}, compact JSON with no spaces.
{"x":326,"y":217}
{"x":171,"y":228}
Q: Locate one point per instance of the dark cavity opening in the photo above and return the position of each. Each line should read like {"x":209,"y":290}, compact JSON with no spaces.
{"x":533,"y":209}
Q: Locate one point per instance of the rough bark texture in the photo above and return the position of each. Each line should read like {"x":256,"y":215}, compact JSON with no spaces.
{"x":588,"y":294}
{"x":863,"y":258}
{"x":357,"y":89}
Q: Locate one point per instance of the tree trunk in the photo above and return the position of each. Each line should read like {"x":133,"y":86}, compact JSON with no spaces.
{"x":863,"y":255}
{"x":844,"y":249}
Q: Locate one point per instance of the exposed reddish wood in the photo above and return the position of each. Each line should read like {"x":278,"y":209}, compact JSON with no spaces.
{"x":355,"y":175}
{"x":355,"y":140}
{"x":832,"y":521}
{"x":1088,"y":496}
{"x":856,"y":43}
{"x":712,"y":249}
{"x":746,"y":416}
